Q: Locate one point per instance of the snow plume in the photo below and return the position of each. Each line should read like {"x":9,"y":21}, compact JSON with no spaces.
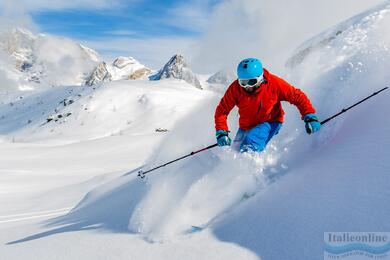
{"x":34,"y":60}
{"x":8,"y":78}
{"x":193,"y":192}
{"x":267,"y":29}
{"x":65,"y":61}
{"x":354,"y":54}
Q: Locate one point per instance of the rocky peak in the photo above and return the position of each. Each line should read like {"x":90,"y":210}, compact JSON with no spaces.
{"x":92,"y":54}
{"x":100,"y":74}
{"x":122,"y":68}
{"x":177,"y":68}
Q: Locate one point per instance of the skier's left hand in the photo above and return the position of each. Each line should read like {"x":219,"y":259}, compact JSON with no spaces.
{"x":312,"y":123}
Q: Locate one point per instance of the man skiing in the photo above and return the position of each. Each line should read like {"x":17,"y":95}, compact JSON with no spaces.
{"x":257,"y":93}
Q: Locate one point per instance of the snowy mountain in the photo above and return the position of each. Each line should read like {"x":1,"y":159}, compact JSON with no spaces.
{"x":177,"y":68}
{"x":34,"y":60}
{"x":30,"y":61}
{"x":122,"y":68}
{"x":222,"y":77}
{"x":128,"y":68}
{"x":16,"y":56}
{"x":70,"y":158}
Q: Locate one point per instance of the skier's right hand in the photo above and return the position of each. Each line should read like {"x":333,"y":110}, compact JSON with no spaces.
{"x":312,"y":123}
{"x":223,"y":138}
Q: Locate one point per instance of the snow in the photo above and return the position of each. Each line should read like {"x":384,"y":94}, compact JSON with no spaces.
{"x":125,"y":67}
{"x":115,"y":108}
{"x":121,"y":68}
{"x":69,"y":187}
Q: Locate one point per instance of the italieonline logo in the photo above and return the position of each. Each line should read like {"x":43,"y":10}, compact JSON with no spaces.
{"x":357,"y":245}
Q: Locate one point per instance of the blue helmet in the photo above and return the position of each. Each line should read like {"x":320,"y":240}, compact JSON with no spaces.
{"x":249,"y":68}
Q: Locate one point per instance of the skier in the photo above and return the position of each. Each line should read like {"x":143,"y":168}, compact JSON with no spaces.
{"x":257,"y":93}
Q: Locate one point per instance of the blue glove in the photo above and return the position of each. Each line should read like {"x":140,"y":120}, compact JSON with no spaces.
{"x":312,"y":123}
{"x":223,"y":138}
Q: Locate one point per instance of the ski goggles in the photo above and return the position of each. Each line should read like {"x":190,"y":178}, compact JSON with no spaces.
{"x":247,"y":83}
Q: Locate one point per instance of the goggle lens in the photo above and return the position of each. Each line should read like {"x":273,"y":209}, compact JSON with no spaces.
{"x":250,"y":82}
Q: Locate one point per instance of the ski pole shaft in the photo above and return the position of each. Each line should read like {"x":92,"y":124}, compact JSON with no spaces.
{"x":348,"y":108}
{"x":142,"y":173}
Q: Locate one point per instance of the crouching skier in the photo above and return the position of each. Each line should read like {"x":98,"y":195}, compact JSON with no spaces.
{"x":257,"y":93}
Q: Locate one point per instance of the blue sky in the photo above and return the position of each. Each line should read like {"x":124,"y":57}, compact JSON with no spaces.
{"x":111,"y":26}
{"x":142,"y":19}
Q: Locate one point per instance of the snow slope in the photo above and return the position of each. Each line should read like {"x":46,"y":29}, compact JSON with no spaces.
{"x":71,"y":114}
{"x":273,"y":206}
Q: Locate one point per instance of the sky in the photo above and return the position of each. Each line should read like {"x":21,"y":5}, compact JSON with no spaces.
{"x":150,"y":30}
{"x":212,"y":34}
{"x":147,"y":26}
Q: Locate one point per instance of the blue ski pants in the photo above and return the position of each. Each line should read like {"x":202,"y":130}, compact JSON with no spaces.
{"x":257,"y":138}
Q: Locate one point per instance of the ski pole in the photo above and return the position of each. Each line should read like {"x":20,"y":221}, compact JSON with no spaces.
{"x":142,"y":173}
{"x":348,"y":108}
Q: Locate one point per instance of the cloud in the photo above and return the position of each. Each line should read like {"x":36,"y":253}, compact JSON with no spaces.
{"x":39,"y":5}
{"x":12,"y":15}
{"x":17,"y":13}
{"x":268,"y":29}
{"x":8,"y":78}
{"x":121,"y":33}
{"x":63,"y":59}
{"x":190,"y":15}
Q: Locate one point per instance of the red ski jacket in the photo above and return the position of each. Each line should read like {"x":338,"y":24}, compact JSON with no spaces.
{"x":261,"y":106}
